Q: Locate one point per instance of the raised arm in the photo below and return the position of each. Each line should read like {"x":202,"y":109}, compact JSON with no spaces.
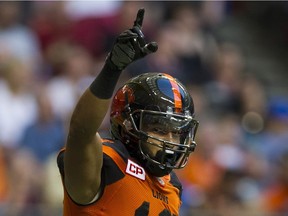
{"x":83,"y":155}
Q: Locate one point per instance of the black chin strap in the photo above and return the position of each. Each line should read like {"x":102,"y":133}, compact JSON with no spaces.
{"x":156,"y":170}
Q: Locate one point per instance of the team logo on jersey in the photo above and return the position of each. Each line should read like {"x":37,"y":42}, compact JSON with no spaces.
{"x":135,"y":170}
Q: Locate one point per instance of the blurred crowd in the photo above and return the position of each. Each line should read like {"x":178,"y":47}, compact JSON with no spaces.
{"x":51,"y":51}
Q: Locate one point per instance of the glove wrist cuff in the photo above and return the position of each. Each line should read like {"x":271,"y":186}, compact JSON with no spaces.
{"x":104,"y":84}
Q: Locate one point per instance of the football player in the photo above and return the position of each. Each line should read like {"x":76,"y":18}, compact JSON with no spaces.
{"x":153,"y":130}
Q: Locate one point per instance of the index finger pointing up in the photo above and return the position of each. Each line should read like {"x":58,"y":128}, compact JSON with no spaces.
{"x":139,"y":19}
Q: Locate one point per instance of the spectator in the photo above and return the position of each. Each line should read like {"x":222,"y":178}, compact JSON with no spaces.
{"x":18,"y":105}
{"x":223,"y":91}
{"x":46,"y":135}
{"x":75,"y":66}
{"x":16,"y":39}
{"x":275,"y":196}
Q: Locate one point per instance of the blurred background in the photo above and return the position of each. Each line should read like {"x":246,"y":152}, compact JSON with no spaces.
{"x":232,"y":56}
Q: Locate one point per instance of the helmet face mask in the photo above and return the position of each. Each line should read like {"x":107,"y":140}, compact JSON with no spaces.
{"x":153,"y":115}
{"x":165,"y":139}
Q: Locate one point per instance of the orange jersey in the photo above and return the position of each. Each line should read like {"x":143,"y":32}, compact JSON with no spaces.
{"x":127,"y":189}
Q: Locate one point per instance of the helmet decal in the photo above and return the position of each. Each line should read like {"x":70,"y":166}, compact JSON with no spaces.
{"x":175,"y":91}
{"x":123,"y":97}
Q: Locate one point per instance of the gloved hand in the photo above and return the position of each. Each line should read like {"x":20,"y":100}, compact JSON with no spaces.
{"x":130,"y":45}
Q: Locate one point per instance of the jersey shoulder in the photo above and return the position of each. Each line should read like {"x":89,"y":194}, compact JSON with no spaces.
{"x":174,"y":180}
{"x":111,"y":145}
{"x":115,"y":157}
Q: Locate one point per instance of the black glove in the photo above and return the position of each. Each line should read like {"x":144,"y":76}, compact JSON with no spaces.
{"x":130,"y":45}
